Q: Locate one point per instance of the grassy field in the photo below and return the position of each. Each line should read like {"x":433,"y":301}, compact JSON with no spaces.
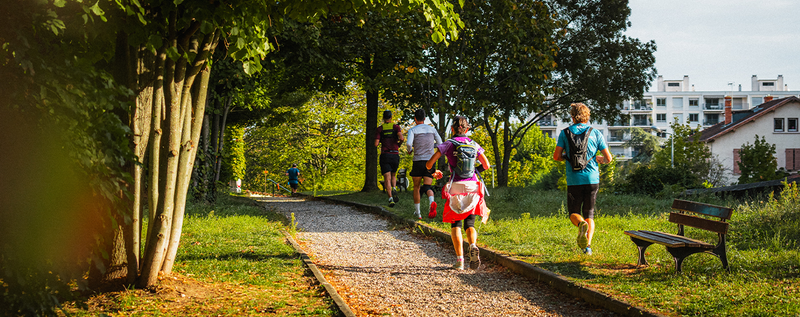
{"x":762,"y":250}
{"x":232,"y":262}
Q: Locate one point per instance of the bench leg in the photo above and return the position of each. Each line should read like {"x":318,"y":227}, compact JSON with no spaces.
{"x":641,"y":245}
{"x":721,"y":252}
{"x":679,"y":254}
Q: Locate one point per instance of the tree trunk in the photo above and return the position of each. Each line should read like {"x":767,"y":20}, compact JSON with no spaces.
{"x":221,"y":140}
{"x":502,"y":175}
{"x":371,"y":155}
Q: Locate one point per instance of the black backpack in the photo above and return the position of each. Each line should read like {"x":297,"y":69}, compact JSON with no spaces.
{"x":578,"y":148}
{"x":466,"y":154}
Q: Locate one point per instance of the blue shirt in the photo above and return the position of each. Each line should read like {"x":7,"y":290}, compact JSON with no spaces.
{"x":293,"y":172}
{"x":590,"y":174}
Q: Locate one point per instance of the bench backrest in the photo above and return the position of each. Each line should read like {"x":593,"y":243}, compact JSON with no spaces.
{"x":685,"y":206}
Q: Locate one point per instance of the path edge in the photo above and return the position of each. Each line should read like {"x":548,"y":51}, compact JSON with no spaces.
{"x":557,"y":281}
{"x":338,"y":299}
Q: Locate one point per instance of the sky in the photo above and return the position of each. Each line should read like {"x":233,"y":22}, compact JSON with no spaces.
{"x":720,"y":41}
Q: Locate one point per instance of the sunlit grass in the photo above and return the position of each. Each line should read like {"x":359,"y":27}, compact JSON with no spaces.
{"x":762,"y":249}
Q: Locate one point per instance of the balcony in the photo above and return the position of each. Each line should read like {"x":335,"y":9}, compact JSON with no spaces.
{"x":640,"y":123}
{"x":712,"y":106}
{"x":618,"y":138}
{"x":640,"y":108}
{"x":548,"y":123}
{"x":710,"y":122}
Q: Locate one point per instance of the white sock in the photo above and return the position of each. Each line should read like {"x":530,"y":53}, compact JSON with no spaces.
{"x":473,"y":245}
{"x":460,"y":258}
{"x":430,"y":199}
{"x":416,"y":206}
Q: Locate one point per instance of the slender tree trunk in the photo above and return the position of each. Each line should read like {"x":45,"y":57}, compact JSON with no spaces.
{"x":221,"y":141}
{"x":502,"y":175}
{"x":371,"y":155}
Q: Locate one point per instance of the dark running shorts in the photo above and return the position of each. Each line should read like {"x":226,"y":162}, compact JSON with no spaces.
{"x":469,"y":222}
{"x":294,"y":185}
{"x":581,"y":199}
{"x":389,"y":162}
{"x":418,"y":169}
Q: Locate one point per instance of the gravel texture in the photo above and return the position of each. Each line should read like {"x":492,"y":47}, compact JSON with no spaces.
{"x":381,"y":269}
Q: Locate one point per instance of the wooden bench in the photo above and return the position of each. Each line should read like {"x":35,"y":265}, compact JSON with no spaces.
{"x":693,"y":214}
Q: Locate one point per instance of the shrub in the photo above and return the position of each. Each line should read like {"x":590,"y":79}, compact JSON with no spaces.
{"x":652,"y":179}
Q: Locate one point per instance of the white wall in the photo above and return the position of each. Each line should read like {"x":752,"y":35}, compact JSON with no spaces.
{"x":724,"y":145}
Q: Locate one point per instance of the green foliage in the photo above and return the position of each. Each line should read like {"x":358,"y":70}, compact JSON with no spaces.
{"x":234,"y":164}
{"x":644,"y":143}
{"x":651,"y":179}
{"x":757,"y":161}
{"x":690,"y":153}
{"x":324,"y":137}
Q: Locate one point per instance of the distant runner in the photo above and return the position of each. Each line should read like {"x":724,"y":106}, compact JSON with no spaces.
{"x":583,"y":173}
{"x":389,"y":136}
{"x":464,"y":191}
{"x":294,"y":177}
{"x":422,"y":140}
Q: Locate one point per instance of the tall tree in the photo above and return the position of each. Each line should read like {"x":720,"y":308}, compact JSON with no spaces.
{"x":757,"y":161}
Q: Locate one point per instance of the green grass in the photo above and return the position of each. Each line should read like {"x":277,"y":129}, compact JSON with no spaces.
{"x":762,"y":249}
{"x":235,"y":262}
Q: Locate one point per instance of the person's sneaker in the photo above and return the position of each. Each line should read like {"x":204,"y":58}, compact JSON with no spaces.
{"x":587,"y":250}
{"x":391,"y":202}
{"x":432,"y":212}
{"x":417,"y":215}
{"x":474,"y":257}
{"x":459,"y":265}
{"x":583,"y":241}
{"x":394,"y":195}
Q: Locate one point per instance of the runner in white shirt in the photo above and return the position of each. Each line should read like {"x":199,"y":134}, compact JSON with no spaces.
{"x":422,"y":140}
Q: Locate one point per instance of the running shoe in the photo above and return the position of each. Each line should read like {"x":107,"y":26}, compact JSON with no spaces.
{"x":391,"y":202}
{"x":474,"y":257}
{"x":394,"y":195}
{"x":417,"y":215}
{"x":587,"y":251}
{"x":432,"y":212}
{"x":459,"y":265}
{"x":583,"y":241}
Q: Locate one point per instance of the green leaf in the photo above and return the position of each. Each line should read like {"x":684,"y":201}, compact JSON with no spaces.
{"x":240,"y":43}
{"x":178,"y":2}
{"x":59,"y":3}
{"x":206,"y":27}
{"x":172,"y":53}
{"x":96,"y":9}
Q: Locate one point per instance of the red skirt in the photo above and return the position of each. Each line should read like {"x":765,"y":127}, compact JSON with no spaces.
{"x":464,"y":196}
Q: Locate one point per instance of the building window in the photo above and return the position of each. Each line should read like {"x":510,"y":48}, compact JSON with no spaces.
{"x":711,"y":119}
{"x":641,"y":120}
{"x":673,"y":84}
{"x":661,"y":102}
{"x":661,"y":117}
{"x":694,"y":102}
{"x":694,"y":117}
{"x":677,"y":102}
{"x":792,"y":159}
{"x":736,"y":160}
{"x":757,"y":100}
{"x":768,"y":84}
{"x":778,"y":124}
{"x":791,"y":125}
{"x":678,"y":117}
{"x":713,"y":103}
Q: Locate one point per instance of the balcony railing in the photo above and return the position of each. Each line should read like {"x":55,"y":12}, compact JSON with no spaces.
{"x":641,"y":108}
{"x":713,"y":106}
{"x":642,"y":123}
{"x":546,"y":123}
{"x":613,"y":138}
{"x":710,"y":122}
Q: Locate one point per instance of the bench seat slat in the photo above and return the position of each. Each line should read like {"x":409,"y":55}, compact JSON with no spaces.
{"x":670,"y":240}
{"x":700,"y":223}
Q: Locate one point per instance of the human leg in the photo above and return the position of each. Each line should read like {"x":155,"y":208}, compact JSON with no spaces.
{"x":589,"y":200}
{"x":458,"y":241}
{"x":575,"y":194}
{"x":417,"y":185}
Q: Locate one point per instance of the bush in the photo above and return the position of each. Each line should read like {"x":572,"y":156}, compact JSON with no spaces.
{"x":652,"y":180}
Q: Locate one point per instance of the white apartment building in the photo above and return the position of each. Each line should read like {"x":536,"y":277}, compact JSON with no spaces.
{"x":676,"y":100}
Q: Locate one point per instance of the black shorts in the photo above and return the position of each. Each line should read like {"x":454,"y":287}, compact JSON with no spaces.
{"x":469,"y":222}
{"x":418,"y":169}
{"x":581,"y":199}
{"x":389,"y":162}
{"x":294,"y":185}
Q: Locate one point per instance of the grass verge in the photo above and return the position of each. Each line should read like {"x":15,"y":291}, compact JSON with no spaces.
{"x":762,"y":250}
{"x":232,"y":261}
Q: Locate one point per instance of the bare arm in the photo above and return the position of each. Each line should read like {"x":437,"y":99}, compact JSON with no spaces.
{"x":557,"y":154}
{"x":484,"y":161}
{"x":607,"y":158}
{"x":434,"y":158}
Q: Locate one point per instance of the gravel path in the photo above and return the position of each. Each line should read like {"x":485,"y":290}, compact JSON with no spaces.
{"x":382,"y":270}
